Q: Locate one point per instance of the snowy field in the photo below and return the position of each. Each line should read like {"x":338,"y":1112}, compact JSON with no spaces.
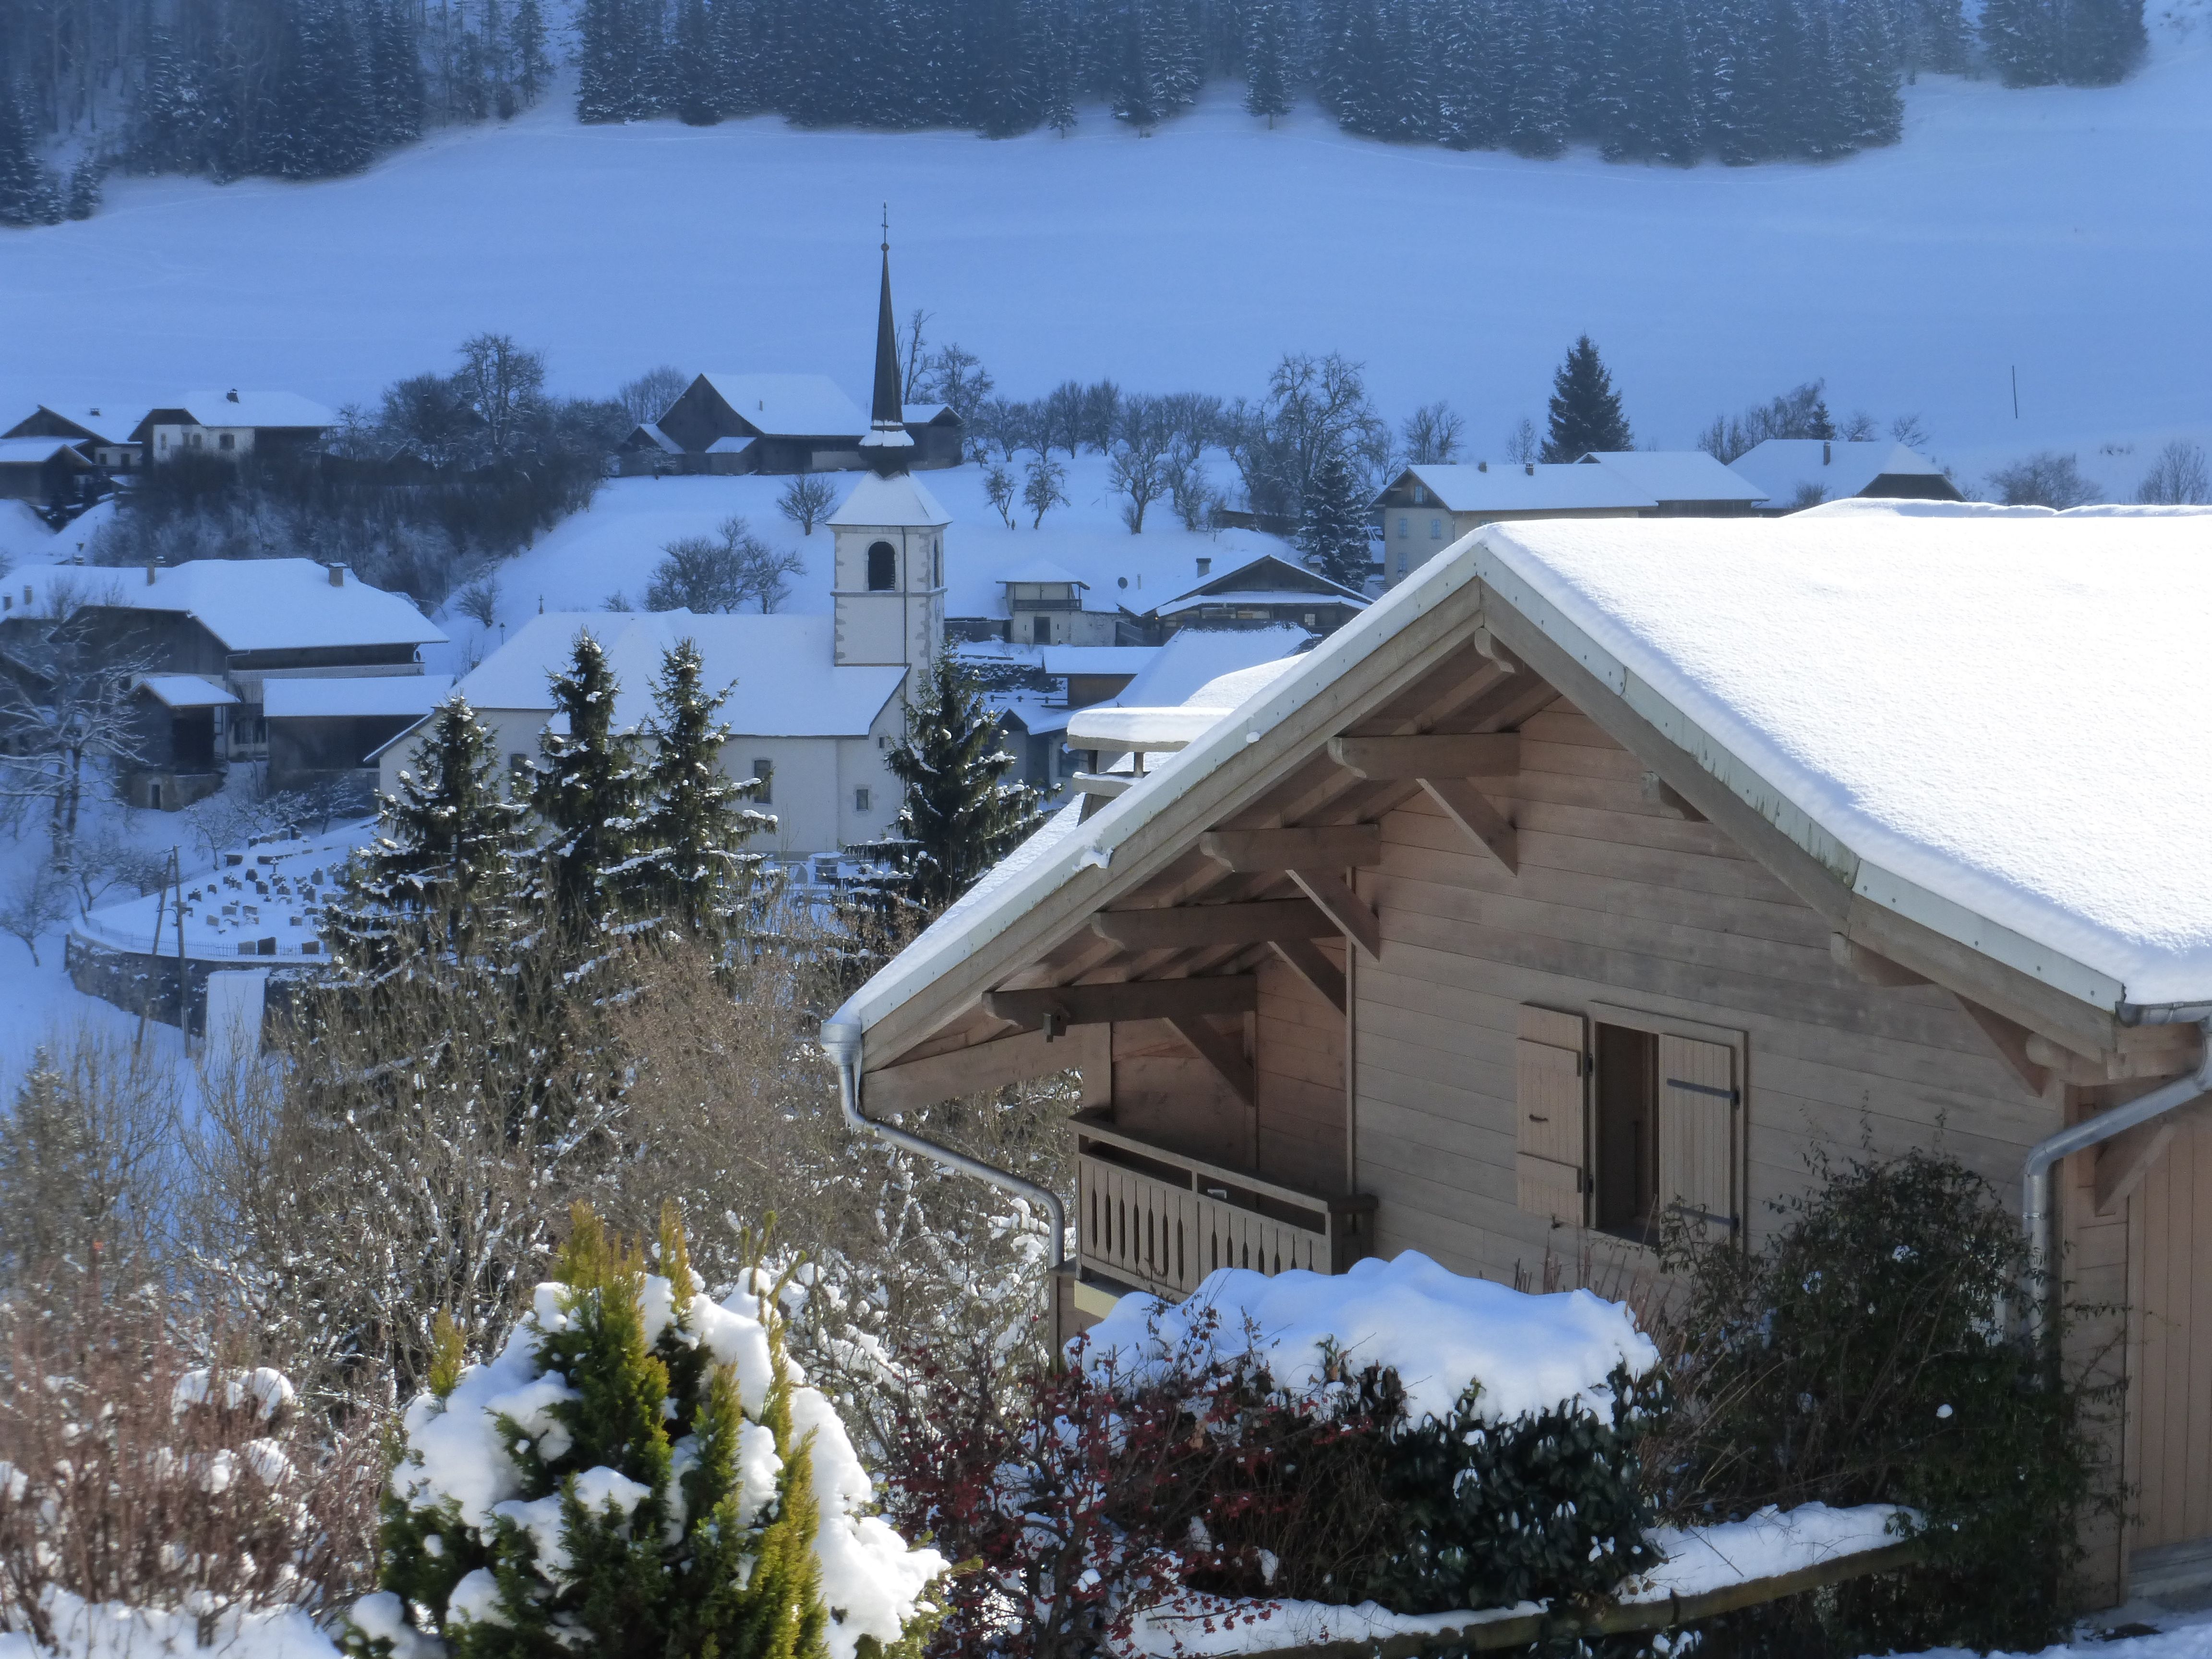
{"x":2057,"y":231}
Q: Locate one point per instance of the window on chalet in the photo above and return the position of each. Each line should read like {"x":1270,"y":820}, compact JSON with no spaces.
{"x":1435,"y":530}
{"x":861,"y":800}
{"x":1627,"y":1119}
{"x":226,"y":440}
{"x":882,"y":566}
{"x":764,"y":776}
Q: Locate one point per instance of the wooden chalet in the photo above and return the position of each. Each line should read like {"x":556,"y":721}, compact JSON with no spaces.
{"x":1267,"y":592}
{"x":1504,"y":922}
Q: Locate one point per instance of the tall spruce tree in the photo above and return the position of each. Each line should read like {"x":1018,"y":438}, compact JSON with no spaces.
{"x":1333,"y":521}
{"x":1267,"y":58}
{"x":1585,"y":409}
{"x":961,"y":815}
{"x":29,"y":193}
{"x":590,"y":790}
{"x":691,"y":865}
{"x":449,"y":875}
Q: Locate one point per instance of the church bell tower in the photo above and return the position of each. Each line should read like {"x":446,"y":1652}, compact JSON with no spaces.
{"x":890,"y":581}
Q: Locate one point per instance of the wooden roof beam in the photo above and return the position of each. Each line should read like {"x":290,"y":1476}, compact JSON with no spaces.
{"x":1308,"y":961}
{"x":1430,"y":754}
{"x":1187,"y":926}
{"x":1064,"y":1005}
{"x":1317,"y":846}
{"x":1479,"y":817}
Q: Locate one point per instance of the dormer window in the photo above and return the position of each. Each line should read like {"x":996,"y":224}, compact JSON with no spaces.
{"x":883,"y":568}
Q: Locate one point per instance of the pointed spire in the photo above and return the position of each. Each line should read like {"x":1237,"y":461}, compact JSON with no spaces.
{"x":888,"y":444}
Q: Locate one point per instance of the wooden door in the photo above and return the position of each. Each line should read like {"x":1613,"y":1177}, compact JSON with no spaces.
{"x":2171,"y":1398}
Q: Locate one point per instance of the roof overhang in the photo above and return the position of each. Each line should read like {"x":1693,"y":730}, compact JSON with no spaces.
{"x":1466,"y":644}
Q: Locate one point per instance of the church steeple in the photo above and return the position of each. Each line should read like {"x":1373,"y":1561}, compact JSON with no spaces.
{"x":888,"y":446}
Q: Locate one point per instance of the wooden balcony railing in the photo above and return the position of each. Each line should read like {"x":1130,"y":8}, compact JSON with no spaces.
{"x":1160,"y":1221}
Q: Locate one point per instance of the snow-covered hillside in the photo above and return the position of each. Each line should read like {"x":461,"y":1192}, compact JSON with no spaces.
{"x":2054,"y":230}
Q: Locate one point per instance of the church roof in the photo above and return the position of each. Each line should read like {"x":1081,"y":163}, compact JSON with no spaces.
{"x":899,"y":502}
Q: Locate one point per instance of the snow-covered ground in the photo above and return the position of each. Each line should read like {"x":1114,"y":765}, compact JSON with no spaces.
{"x":2049,"y":230}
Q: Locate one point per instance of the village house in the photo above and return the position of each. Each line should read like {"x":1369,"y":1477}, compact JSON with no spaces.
{"x":778,"y":424}
{"x":1794,"y":473}
{"x":101,"y":432}
{"x":1268,"y":591}
{"x":43,"y":469}
{"x":239,"y":627}
{"x":1425,"y":509}
{"x":232,"y":423}
{"x":1610,"y":871}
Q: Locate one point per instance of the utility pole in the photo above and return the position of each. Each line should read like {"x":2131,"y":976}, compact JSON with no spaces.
{"x":184,"y":979}
{"x":2015,"y":392}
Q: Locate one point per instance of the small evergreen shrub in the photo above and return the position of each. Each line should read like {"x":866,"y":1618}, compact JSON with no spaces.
{"x":1860,"y":1356}
{"x":640,"y":1471}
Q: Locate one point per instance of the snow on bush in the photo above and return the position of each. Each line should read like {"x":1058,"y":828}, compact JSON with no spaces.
{"x":639,"y":1469}
{"x":1437,"y":1331}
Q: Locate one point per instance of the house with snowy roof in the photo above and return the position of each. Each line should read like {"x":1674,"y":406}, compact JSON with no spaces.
{"x":44,"y":469}
{"x":239,"y":626}
{"x":1265,"y":593}
{"x":101,"y":432}
{"x":737,"y":423}
{"x":231,"y":424}
{"x":1602,"y":875}
{"x":1795,"y":473}
{"x":1425,"y":509}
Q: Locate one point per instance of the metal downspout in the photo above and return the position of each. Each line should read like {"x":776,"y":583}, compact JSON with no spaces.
{"x":2035,"y":1172}
{"x":842,"y":1042}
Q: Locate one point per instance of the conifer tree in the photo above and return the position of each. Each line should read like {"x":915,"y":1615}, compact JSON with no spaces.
{"x":1585,"y":409}
{"x":692,"y":868}
{"x":1333,"y":521}
{"x":1267,"y":58}
{"x":698,"y":96}
{"x":590,"y":791}
{"x":1536,"y":106}
{"x":449,"y":875}
{"x":667,"y":1501}
{"x":961,"y":815}
{"x":526,"y":39}
{"x":28,"y":192}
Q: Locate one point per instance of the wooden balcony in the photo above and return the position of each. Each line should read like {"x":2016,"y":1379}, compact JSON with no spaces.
{"x":1160,"y":1221}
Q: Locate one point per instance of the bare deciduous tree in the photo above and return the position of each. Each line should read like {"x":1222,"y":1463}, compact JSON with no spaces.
{"x":998,"y":485}
{"x":1138,"y":464}
{"x":33,"y":903}
{"x":2046,"y":478}
{"x":805,"y":501}
{"x":479,"y":601}
{"x":646,"y":398}
{"x":503,"y":383}
{"x":1432,"y":434}
{"x":1044,"y":486}
{"x":2178,"y":478}
{"x":721,"y":571}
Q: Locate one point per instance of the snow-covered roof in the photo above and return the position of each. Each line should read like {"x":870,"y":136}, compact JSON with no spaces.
{"x":184,"y":692}
{"x":1876,"y":682}
{"x":786,"y":679}
{"x":650,"y":432}
{"x":273,"y":605}
{"x":791,"y":405}
{"x":1785,"y":468}
{"x":1041,"y":570}
{"x":730,"y":446}
{"x":1038,"y":715}
{"x":1110,"y":725}
{"x":260,"y":410}
{"x":1235,"y":596}
{"x":334,"y":696}
{"x":1063,"y":659}
{"x":1196,"y":656}
{"x":1887,"y":676}
{"x":109,"y":423}
{"x":923,"y":414}
{"x":899,"y":501}
{"x":37,"y":452}
{"x":1534,"y":487}
{"x":1676,"y":475}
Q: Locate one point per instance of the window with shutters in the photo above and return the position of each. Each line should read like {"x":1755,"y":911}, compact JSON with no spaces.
{"x":1627,"y":1119}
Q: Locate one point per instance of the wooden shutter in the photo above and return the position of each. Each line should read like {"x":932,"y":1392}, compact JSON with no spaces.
{"x":1698,"y":1109}
{"x":1552,"y":1150}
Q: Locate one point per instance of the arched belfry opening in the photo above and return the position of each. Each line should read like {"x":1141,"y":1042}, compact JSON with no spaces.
{"x":882,"y":566}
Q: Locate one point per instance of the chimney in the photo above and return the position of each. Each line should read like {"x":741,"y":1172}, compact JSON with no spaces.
{"x":149,"y":573}
{"x":337,"y":575}
{"x":1482,"y":466}
{"x":1529,"y":467}
{"x":231,"y":396}
{"x":1206,"y":567}
{"x":1828,"y":453}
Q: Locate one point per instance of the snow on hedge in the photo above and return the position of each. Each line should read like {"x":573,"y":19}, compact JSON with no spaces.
{"x":111,"y":1631}
{"x":1438,"y":1331}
